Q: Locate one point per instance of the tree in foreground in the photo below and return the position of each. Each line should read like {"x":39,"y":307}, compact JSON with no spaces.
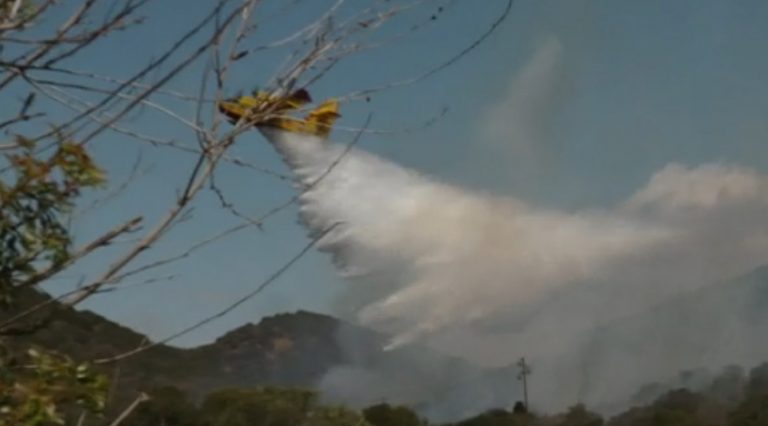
{"x":388,"y":415}
{"x":273,"y":407}
{"x":56,"y":113}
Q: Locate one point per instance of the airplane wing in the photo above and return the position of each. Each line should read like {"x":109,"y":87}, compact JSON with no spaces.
{"x":265,"y":110}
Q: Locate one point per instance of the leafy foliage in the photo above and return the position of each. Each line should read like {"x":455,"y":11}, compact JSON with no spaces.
{"x":388,"y":415}
{"x":753,"y":411}
{"x":7,"y":12}
{"x":499,"y":417}
{"x":168,"y":406}
{"x":272,"y":406}
{"x":35,"y":387}
{"x":578,"y":415}
{"x":335,"y":416}
{"x":269,"y":406}
{"x":34,"y":243}
{"x":33,"y":204}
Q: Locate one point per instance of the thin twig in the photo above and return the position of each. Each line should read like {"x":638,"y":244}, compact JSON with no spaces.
{"x":362,"y":94}
{"x":261,"y":287}
{"x":124,"y":415}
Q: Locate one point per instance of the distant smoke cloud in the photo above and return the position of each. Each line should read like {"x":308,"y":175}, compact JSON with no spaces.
{"x":677,"y":189}
{"x":521,"y":119}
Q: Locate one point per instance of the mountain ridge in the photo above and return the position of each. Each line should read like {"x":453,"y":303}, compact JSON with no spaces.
{"x":299,"y":349}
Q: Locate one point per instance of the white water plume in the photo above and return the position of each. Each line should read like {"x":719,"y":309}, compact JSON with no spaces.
{"x":492,"y":278}
{"x":437,"y":255}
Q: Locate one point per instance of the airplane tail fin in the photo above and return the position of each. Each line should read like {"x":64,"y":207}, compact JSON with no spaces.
{"x":232,"y":109}
{"x":320,"y":120}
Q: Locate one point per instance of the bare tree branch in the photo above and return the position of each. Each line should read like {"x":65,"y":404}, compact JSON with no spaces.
{"x":124,"y":415}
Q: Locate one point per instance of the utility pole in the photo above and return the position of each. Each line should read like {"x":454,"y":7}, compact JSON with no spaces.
{"x":525,"y":371}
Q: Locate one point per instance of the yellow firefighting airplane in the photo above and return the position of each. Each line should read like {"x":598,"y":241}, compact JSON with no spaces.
{"x":275,"y":111}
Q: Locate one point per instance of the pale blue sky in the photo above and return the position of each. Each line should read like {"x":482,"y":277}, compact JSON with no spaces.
{"x":631,"y":87}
